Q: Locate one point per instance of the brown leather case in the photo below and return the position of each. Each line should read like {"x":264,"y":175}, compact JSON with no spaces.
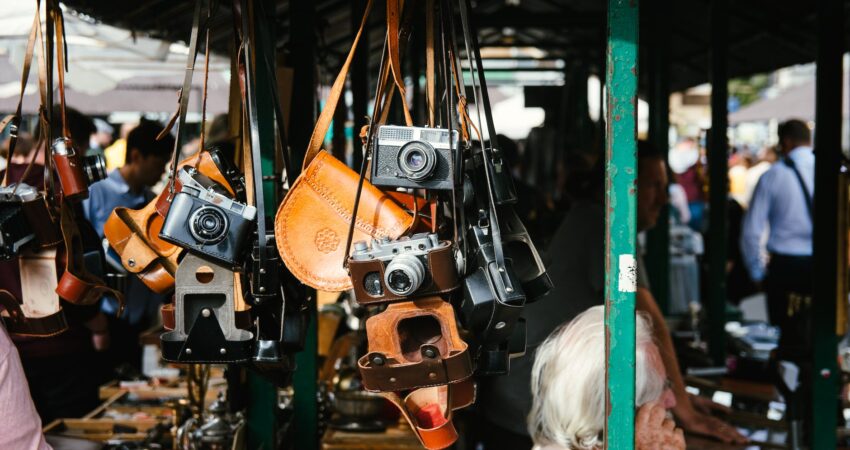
{"x":312,"y":223}
{"x":134,"y":235}
{"x":429,"y":411}
{"x":443,"y":277}
{"x":70,"y":170}
{"x":413,"y":345}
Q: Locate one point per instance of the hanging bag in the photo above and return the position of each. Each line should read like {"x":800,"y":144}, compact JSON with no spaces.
{"x":312,"y":222}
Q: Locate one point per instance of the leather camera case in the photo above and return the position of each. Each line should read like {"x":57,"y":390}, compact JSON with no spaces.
{"x":69,"y":167}
{"x":442,"y":277}
{"x":429,"y":411}
{"x":413,"y":345}
{"x":205,"y":328}
{"x":44,"y":225}
{"x":134,"y":234}
{"x":311,"y":225}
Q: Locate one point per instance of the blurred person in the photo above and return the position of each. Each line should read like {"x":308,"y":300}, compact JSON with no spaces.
{"x":739,"y":165}
{"x":116,"y":153}
{"x":101,"y":138}
{"x":678,"y":201}
{"x":781,"y":209}
{"x":579,"y":276}
{"x":62,"y":370}
{"x":766,"y":158}
{"x":568,"y":388}
{"x":21,"y":426}
{"x":129,"y":186}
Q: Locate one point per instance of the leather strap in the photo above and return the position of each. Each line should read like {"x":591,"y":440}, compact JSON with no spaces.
{"x":430,"y":71}
{"x":183,"y":98}
{"x":393,"y":9}
{"x":482,"y":100}
{"x":326,"y":116}
{"x":77,"y":285}
{"x":15,"y":119}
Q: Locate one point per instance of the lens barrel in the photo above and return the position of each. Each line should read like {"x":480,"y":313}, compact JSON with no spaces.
{"x":404,"y":275}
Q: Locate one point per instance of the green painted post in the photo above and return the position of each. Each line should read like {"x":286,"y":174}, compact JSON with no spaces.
{"x":658,"y":238}
{"x":828,"y":95}
{"x":718,"y":184}
{"x":262,"y":394}
{"x":621,"y":222}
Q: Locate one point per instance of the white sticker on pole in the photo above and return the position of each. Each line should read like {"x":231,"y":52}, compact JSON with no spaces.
{"x":627,"y":281}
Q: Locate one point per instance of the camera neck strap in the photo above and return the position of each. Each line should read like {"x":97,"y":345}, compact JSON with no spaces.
{"x":250,"y":108}
{"x":482,"y":101}
{"x":61,"y":62}
{"x":326,"y":116}
{"x":14,"y":120}
{"x":183,"y":97}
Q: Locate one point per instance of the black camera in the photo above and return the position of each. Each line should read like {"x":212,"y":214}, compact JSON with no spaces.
{"x":493,"y":297}
{"x":208,"y":223}
{"x":15,"y":231}
{"x":414,"y":157}
{"x":392,"y":270}
{"x":24,"y":218}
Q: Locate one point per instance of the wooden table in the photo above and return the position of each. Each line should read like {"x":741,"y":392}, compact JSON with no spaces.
{"x":398,"y":437}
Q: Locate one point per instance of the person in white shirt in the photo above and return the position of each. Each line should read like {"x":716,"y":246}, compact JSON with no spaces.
{"x":20,"y":426}
{"x":781,"y":209}
{"x":568,"y":389}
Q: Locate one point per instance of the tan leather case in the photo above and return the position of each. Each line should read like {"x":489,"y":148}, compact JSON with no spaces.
{"x":312,"y":223}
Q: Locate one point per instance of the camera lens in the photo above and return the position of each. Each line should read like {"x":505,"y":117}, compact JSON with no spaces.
{"x":404,"y":275}
{"x":94,"y":166}
{"x":372,"y":284}
{"x":208,"y":225}
{"x":417,"y":160}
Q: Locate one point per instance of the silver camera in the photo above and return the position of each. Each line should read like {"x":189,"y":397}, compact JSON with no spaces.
{"x":414,"y":157}
{"x":417,"y":265}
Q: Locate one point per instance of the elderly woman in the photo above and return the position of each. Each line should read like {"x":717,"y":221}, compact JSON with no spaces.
{"x":568,"y":387}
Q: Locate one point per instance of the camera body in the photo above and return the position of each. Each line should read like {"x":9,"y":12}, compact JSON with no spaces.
{"x":208,"y":223}
{"x":493,"y":297}
{"x":414,"y":157}
{"x":408,"y":267}
{"x":24,"y":218}
{"x":76,"y":172}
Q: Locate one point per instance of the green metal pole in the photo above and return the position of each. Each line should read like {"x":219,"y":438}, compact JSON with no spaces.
{"x":718,"y":181}
{"x":621,"y":222}
{"x":658,"y":238}
{"x":828,"y":96}
{"x":263,"y":395}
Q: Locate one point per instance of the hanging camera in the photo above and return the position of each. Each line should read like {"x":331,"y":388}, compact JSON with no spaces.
{"x":208,"y":223}
{"x":493,"y":296}
{"x":76,"y":172}
{"x":24,"y":218}
{"x":404,"y":268}
{"x":413,"y":157}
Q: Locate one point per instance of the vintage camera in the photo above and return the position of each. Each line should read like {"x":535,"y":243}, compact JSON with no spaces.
{"x":393,"y":270}
{"x":493,"y":297}
{"x":413,"y":157}
{"x":208,"y":223}
{"x":24,"y":218}
{"x":76,"y":172}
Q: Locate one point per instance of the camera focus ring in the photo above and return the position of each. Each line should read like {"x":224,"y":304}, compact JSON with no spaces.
{"x":208,"y":225}
{"x":404,"y":275}
{"x":417,"y":159}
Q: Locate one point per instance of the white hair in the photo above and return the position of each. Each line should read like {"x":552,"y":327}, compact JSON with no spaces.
{"x":568,"y":381}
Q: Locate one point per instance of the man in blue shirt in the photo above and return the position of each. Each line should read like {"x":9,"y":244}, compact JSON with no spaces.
{"x":781,"y":210}
{"x":130,"y":186}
